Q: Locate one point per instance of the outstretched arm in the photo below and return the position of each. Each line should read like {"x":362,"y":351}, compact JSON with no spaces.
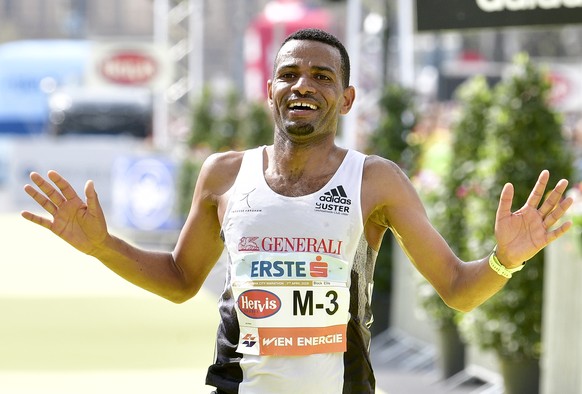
{"x":82,"y":224}
{"x":176,"y":276}
{"x":462,"y":285}
{"x":520,"y":235}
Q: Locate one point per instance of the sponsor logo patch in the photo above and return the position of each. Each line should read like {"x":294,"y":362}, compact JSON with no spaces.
{"x":249,"y":340}
{"x":244,"y":203}
{"x":285,"y":244}
{"x":248,"y":244}
{"x":335,"y":201}
{"x":258,"y":304}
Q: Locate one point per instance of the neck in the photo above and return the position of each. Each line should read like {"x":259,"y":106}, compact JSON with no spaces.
{"x":289,"y":157}
{"x":294,"y":170}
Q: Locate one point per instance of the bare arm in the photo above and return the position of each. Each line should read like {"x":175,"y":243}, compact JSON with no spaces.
{"x":462,"y":285}
{"x":176,"y":276}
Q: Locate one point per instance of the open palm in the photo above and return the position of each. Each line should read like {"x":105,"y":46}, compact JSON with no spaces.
{"x":523,"y":233}
{"x":81,"y":224}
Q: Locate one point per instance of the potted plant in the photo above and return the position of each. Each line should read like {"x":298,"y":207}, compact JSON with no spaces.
{"x":524,"y":136}
{"x":448,"y":211}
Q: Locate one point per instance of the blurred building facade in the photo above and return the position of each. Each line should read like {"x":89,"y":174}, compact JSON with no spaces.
{"x":28,"y":19}
{"x":224,"y":24}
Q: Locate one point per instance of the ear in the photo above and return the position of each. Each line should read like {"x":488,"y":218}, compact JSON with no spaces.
{"x":270,"y":92}
{"x":349,"y":97}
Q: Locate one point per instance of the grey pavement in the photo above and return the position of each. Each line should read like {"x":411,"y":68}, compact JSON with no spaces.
{"x":403,"y":365}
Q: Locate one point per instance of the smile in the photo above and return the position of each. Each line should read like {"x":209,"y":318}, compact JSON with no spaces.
{"x":302,"y":106}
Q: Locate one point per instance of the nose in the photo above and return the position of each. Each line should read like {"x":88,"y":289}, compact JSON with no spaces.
{"x":303,"y":86}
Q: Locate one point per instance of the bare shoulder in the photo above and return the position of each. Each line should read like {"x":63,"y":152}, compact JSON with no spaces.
{"x":380,"y":172}
{"x":385,"y":187}
{"x":219,"y":172}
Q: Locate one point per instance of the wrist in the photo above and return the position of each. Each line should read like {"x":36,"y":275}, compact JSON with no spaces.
{"x":505,"y":260}
{"x":103,"y":249}
{"x":500,"y":268}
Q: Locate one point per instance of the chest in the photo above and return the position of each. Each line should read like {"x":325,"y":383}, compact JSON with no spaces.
{"x":297,"y":185}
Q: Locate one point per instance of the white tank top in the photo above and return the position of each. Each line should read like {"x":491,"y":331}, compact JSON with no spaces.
{"x":288,"y":292}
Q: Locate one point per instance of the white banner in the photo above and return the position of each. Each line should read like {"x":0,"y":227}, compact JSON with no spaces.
{"x":129,"y":63}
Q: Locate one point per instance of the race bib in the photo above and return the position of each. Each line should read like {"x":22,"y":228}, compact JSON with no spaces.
{"x":291,"y":304}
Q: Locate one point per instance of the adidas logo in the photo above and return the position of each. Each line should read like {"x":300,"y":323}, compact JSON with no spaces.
{"x":337,"y":191}
{"x":335,"y":200}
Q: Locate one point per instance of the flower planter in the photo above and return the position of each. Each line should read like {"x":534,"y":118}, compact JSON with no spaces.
{"x":520,"y":376}
{"x":451,"y":351}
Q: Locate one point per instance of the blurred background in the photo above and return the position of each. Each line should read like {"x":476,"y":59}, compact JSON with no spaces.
{"x":135,"y":94}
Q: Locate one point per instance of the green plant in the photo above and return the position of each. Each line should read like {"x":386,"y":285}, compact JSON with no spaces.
{"x":224,"y":123}
{"x":220,"y":124}
{"x":216,"y":121}
{"x":524,"y":136}
{"x":229,"y":122}
{"x":449,"y":202}
{"x":187,"y":176}
{"x":391,"y":140}
{"x":257,"y":128}
{"x":203,"y":121}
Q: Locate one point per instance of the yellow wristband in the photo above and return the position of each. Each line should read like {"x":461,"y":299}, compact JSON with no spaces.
{"x":500,"y":268}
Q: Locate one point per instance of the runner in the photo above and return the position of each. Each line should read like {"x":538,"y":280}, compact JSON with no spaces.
{"x":302,"y":221}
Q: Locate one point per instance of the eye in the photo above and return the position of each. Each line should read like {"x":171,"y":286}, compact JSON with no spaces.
{"x":322,"y":77}
{"x":287,"y":75}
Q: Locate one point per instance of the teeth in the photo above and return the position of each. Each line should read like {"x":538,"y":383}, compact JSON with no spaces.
{"x":300,"y":104}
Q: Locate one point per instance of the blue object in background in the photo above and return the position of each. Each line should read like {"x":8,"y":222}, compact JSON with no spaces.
{"x":30,"y":70}
{"x":144,"y":193}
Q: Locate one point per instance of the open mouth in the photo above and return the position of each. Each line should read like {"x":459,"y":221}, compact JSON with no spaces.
{"x":302,"y":106}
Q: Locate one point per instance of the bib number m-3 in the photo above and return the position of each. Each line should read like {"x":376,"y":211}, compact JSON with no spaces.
{"x":303,"y":304}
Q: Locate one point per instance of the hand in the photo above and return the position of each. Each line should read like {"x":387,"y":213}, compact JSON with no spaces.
{"x":80,"y":224}
{"x":522,"y":234}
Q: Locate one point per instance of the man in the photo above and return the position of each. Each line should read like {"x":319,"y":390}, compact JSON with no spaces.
{"x":302,"y":221}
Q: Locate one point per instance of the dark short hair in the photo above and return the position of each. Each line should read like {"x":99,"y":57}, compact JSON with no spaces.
{"x":329,"y":39}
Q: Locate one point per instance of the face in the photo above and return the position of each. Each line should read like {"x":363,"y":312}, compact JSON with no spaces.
{"x":306,"y":94}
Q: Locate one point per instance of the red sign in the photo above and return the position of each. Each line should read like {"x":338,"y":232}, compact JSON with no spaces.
{"x":129,"y":68}
{"x":266,"y":33}
{"x":258,"y":304}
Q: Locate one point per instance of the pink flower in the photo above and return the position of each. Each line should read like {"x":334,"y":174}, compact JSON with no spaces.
{"x":462,"y":192}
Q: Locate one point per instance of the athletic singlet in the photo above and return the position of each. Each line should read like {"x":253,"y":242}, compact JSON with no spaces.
{"x":295,"y":311}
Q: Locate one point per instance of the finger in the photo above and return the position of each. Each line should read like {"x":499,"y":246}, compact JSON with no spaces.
{"x":65,"y":187}
{"x":558,"y":232}
{"x":537,"y":192}
{"x":44,"y":222}
{"x":48,"y":189}
{"x":505,"y":201}
{"x":93,"y":204}
{"x":554,"y":198}
{"x":557,"y":213}
{"x":41,"y":199}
